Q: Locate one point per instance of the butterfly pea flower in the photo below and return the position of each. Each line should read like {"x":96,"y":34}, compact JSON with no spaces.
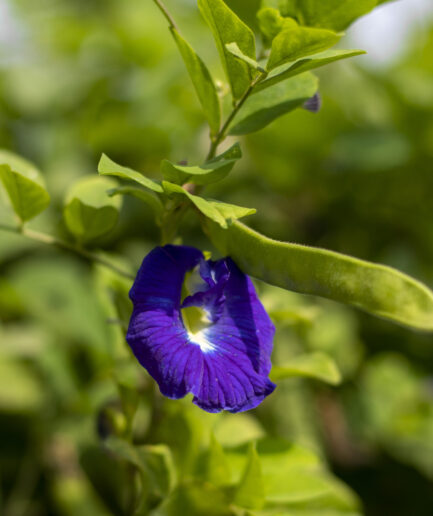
{"x":198,"y":327}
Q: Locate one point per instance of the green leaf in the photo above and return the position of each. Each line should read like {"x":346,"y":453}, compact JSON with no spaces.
{"x":154,"y":463}
{"x":247,"y":11}
{"x":227,"y":28}
{"x":297,"y":42}
{"x":331,"y":14}
{"x":202,"y":81}
{"x":250,"y":492}
{"x":195,"y":498}
{"x":148,"y":197}
{"x":108,"y":167}
{"x":217,"y":469}
{"x":24,"y":186}
{"x":221,"y":213}
{"x":89,"y":212}
{"x":272,"y":23}
{"x":315,"y":365}
{"x":234,"y":430}
{"x":305,"y":64}
{"x":211,"y":172}
{"x":231,"y":212}
{"x":237,"y":52}
{"x":377,"y":289}
{"x":294,"y":480}
{"x":267,"y":105}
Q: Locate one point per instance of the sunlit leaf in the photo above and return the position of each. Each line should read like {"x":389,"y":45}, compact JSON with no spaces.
{"x":237,"y":52}
{"x":108,"y":167}
{"x":265,"y":106}
{"x":24,"y":186}
{"x":195,"y":498}
{"x":318,"y":366}
{"x":250,"y":492}
{"x":236,"y":429}
{"x":296,"y":42}
{"x":202,"y":80}
{"x":210,"y":172}
{"x":217,"y":470}
{"x":221,"y":213}
{"x":89,"y":211}
{"x":293,"y":479}
{"x":272,"y":23}
{"x":331,"y":14}
{"x":305,"y":64}
{"x":377,"y":289}
{"x":227,"y":28}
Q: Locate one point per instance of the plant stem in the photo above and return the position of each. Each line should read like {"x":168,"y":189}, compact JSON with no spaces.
{"x":44,"y":238}
{"x":166,"y":14}
{"x":222,"y":132}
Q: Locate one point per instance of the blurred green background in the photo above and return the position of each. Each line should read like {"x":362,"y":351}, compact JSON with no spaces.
{"x":83,"y":77}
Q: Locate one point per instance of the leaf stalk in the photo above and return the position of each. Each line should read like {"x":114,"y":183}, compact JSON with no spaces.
{"x":47,"y":239}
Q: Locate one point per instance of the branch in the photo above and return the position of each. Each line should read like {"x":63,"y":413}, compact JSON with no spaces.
{"x":166,"y":14}
{"x":44,"y":238}
{"x":222,"y":132}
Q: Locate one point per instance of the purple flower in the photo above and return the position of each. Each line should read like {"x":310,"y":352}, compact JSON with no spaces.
{"x":199,"y":327}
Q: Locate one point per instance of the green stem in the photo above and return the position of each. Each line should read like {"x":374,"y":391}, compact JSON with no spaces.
{"x":44,"y":238}
{"x":220,"y":137}
{"x":170,"y":222}
{"x":166,"y":14}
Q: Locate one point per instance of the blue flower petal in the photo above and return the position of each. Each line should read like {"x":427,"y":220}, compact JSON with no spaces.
{"x":226,"y":365}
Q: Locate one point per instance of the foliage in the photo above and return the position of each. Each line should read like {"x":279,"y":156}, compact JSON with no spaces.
{"x":83,"y":430}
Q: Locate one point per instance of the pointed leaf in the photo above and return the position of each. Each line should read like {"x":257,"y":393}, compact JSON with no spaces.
{"x":226,"y":28}
{"x":202,"y":81}
{"x":297,"y":42}
{"x":108,"y":167}
{"x":271,"y":23}
{"x":331,"y":14}
{"x":267,"y":105}
{"x":237,"y":52}
{"x":250,"y":492}
{"x":89,"y":212}
{"x":296,"y":481}
{"x":231,"y":212}
{"x":217,"y":467}
{"x":194,"y":498}
{"x":24,"y":186}
{"x":377,"y":289}
{"x":221,"y":213}
{"x":211,"y":172}
{"x":315,"y":365}
{"x":305,"y":64}
{"x":148,"y":197}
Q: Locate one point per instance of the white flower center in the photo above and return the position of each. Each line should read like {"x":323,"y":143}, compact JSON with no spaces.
{"x":199,"y":339}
